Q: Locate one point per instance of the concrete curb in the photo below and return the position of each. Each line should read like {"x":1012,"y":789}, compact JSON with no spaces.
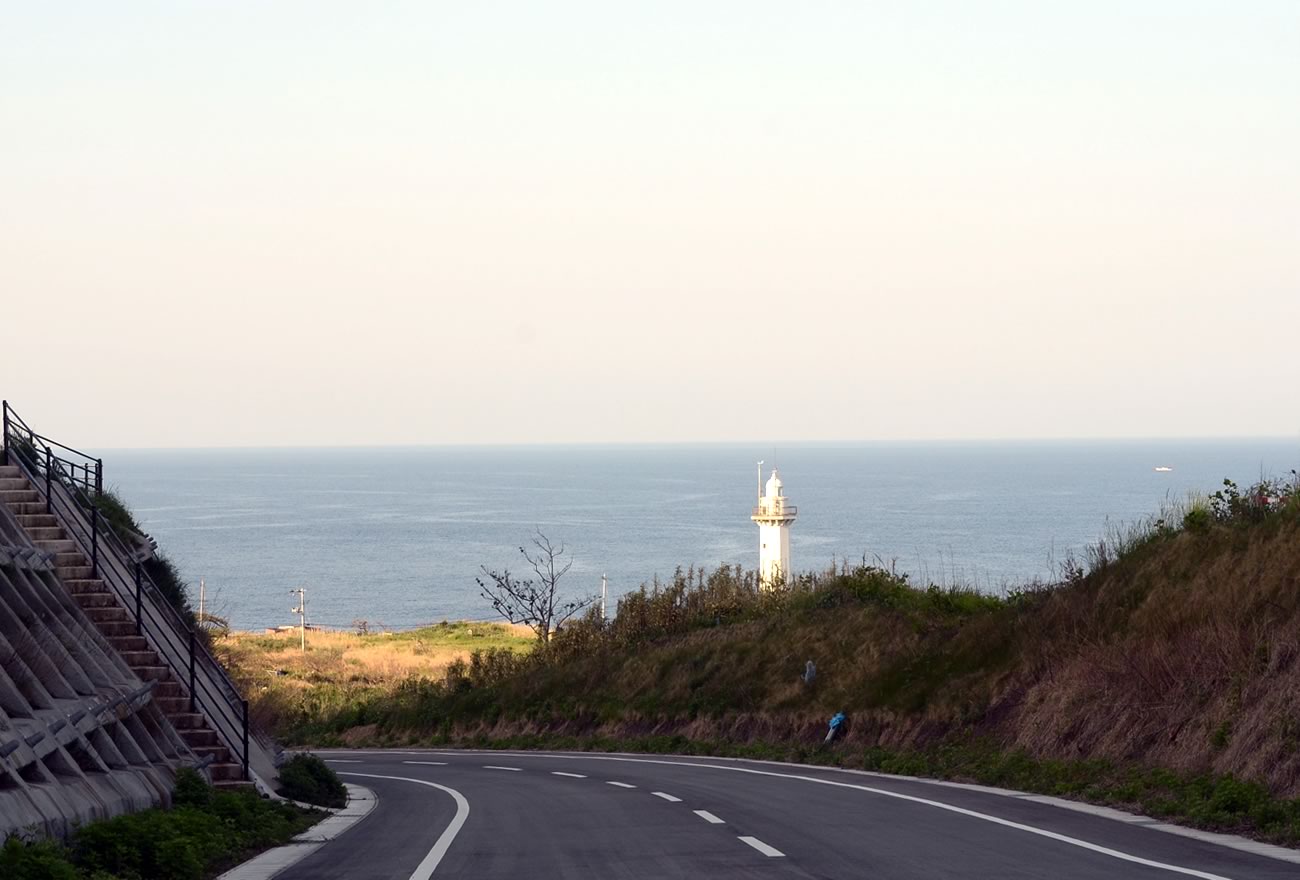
{"x":361,"y":801}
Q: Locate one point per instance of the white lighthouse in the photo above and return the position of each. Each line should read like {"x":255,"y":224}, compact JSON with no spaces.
{"x":774,"y":517}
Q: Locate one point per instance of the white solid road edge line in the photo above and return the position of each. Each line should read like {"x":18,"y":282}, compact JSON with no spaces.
{"x":708,"y":817}
{"x":361,"y":801}
{"x":769,"y":851}
{"x":666,"y":796}
{"x":570,"y":775}
{"x":429,"y":863}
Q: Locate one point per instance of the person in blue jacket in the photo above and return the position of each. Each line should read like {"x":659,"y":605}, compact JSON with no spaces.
{"x":838,"y":721}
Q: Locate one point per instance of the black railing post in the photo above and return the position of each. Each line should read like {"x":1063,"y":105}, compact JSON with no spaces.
{"x":94,"y":542}
{"x":99,"y":477}
{"x":49,"y":469}
{"x":4,"y":441}
{"x":191,"y":669}
{"x":245,"y":702}
{"x":138,"y":629}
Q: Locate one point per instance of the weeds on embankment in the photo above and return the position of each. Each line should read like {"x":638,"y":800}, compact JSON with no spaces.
{"x":1177,"y":647}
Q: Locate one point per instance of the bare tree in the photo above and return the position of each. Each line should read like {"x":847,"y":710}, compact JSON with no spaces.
{"x":533,"y":602}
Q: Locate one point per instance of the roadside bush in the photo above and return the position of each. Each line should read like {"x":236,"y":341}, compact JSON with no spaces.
{"x":307,"y":778}
{"x":35,"y":861}
{"x":205,"y":832}
{"x":206,"y":829}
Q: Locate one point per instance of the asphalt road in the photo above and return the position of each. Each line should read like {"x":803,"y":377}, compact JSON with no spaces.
{"x":507,"y":815}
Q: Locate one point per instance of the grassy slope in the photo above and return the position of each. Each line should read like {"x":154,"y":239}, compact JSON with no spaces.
{"x":342,"y":670}
{"x":1183,"y":654}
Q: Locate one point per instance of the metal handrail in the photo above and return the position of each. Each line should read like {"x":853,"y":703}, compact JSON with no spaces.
{"x":788,"y":510}
{"x":166,"y":628}
{"x":38,"y":441}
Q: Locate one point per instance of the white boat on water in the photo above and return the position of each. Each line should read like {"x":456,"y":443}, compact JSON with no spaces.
{"x":1161,"y":469}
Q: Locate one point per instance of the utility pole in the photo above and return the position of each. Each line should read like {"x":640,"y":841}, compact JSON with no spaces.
{"x":301,"y":611}
{"x":604,"y":590}
{"x":201,"y":592}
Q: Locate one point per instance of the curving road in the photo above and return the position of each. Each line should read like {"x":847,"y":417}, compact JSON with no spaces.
{"x":507,"y":815}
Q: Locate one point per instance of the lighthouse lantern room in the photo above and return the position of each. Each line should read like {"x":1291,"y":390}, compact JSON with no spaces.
{"x":774,"y":517}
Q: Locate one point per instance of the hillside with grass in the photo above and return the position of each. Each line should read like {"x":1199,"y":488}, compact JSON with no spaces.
{"x":1163,"y":672}
{"x":289,"y":687}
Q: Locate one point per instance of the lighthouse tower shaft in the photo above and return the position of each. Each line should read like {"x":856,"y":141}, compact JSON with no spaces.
{"x":774,"y":517}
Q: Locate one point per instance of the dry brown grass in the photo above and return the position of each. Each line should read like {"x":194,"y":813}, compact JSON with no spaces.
{"x":339,"y":668}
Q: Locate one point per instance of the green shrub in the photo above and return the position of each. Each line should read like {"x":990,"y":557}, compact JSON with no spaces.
{"x":43,"y":860}
{"x":205,"y":830}
{"x":307,"y":778}
{"x":191,"y":790}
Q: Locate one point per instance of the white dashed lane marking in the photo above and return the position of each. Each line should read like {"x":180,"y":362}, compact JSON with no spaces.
{"x":495,"y":767}
{"x":709,"y":817}
{"x":621,"y":784}
{"x":570,"y":775}
{"x":667,"y":797}
{"x":769,"y":851}
{"x":428,"y":763}
{"x":341,"y":761}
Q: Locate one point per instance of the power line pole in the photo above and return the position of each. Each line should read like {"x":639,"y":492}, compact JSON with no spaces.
{"x":301,"y":611}
{"x":202,"y":590}
{"x":604,"y":590}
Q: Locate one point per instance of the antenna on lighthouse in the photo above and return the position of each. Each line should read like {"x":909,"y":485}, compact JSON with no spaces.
{"x":760,"y":481}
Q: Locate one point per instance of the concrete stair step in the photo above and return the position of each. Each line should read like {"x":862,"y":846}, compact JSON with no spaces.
{"x":226,"y":772}
{"x":96,"y":600}
{"x":113,"y":629}
{"x":172,"y":705}
{"x":70,"y":559}
{"x":146,"y":659}
{"x":130,"y":643}
{"x":45,"y":533}
{"x":73,"y":572}
{"x":186,"y":720}
{"x":54,"y":545}
{"x":20,"y":496}
{"x":8,"y":471}
{"x":199,"y":736}
{"x":220,"y":753}
{"x":107,"y":614}
{"x":37,"y":520}
{"x":12,"y":483}
{"x":171,"y":689}
{"x":86,"y":585}
{"x":152,"y":673}
{"x":26,"y":508}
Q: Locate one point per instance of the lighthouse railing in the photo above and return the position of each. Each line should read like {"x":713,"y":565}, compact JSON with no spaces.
{"x":785,"y":510}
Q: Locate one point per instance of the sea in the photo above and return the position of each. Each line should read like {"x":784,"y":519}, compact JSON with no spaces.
{"x":396,"y":536}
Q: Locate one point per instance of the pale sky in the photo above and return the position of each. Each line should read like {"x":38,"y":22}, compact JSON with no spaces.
{"x":273,"y":223}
